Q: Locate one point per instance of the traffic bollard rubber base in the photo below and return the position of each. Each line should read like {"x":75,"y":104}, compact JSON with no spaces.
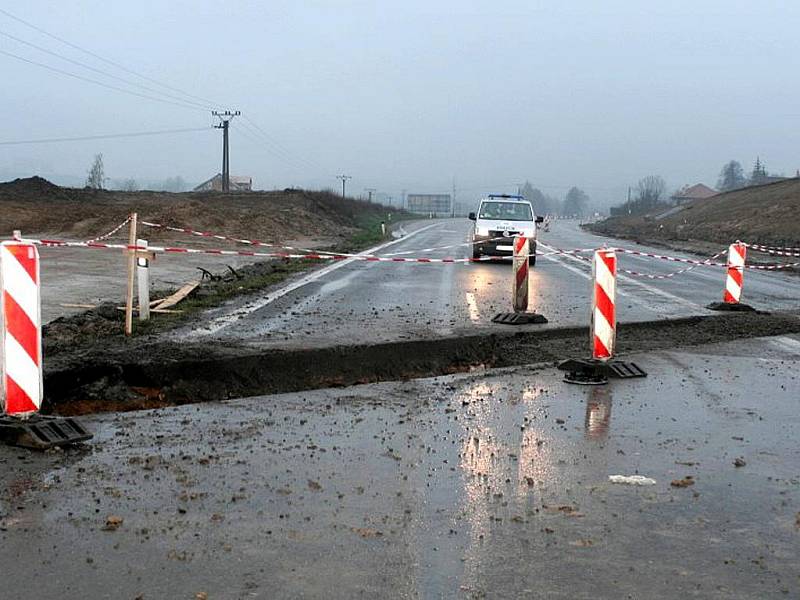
{"x":525,"y":318}
{"x":42,"y":432}
{"x":597,"y":372}
{"x":727,"y":306}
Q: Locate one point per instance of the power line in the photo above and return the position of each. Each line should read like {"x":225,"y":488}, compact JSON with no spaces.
{"x":276,"y":150}
{"x":106,"y":60}
{"x":100,"y":71}
{"x":102,"y":136}
{"x":268,"y":138}
{"x":100,"y":83}
{"x":259,"y":141}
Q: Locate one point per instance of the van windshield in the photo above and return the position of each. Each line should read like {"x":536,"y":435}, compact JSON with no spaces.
{"x":506,"y":211}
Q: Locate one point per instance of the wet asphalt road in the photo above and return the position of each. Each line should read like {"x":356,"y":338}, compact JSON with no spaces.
{"x":364,"y":302}
{"x":488,"y":485}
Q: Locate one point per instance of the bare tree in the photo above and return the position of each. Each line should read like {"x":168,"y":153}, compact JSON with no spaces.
{"x":97,"y":174}
{"x":129,"y":185}
{"x":649,"y":191}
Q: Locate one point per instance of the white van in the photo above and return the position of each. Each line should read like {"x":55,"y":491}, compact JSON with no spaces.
{"x":503,"y":216}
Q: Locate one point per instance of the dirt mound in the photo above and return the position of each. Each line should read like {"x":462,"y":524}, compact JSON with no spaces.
{"x":767,"y":214}
{"x":147,"y":372}
{"x":39,"y":207}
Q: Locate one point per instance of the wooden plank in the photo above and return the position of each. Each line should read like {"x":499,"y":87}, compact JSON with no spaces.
{"x":78,"y":305}
{"x":177,"y":296}
{"x":166,"y":311}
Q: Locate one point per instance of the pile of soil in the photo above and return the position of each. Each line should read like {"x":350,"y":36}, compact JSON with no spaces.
{"x":767,"y":214}
{"x":38,"y":207}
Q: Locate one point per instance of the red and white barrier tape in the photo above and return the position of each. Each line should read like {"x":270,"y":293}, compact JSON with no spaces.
{"x":110,"y":233}
{"x":707,"y":262}
{"x":320,"y":255}
{"x":219,"y":252}
{"x":774,"y":250}
{"x":773,"y":267}
{"x":208,"y":234}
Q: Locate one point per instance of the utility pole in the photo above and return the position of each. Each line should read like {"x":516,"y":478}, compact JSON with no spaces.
{"x":453,"y":200}
{"x":403,"y":199}
{"x":344,"y":179}
{"x":224,"y":121}
{"x":370,"y":191}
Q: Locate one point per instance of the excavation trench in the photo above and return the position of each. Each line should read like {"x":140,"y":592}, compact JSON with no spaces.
{"x":155,"y":374}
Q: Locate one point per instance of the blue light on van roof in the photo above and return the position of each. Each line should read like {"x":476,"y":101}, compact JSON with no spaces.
{"x":515,"y":197}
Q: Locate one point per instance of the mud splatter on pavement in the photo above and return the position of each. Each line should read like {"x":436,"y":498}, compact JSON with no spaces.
{"x":471,"y":485}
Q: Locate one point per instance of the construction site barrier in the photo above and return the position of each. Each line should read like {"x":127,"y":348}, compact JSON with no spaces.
{"x":735,"y":279}
{"x":604,"y":317}
{"x":20,"y":329}
{"x":519,"y":287}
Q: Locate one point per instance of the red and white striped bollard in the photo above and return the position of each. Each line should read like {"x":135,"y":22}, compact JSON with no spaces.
{"x":20,"y":329}
{"x":735,"y":279}
{"x":519,"y":293}
{"x":604,"y":316}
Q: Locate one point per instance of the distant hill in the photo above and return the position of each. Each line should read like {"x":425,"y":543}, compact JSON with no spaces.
{"x":766,"y":214}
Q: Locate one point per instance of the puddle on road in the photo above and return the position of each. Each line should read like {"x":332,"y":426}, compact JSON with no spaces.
{"x":495,"y":482}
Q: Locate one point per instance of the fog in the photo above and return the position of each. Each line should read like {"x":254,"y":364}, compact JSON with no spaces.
{"x":408,"y":96}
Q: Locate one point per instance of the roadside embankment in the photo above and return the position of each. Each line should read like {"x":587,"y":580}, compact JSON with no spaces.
{"x":766,"y":214}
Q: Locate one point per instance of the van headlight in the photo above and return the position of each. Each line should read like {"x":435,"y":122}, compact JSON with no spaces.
{"x":482,"y":231}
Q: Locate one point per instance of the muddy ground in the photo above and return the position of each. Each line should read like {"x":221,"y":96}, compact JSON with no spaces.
{"x":108,"y":373}
{"x":36,"y":206}
{"x":493,"y":484}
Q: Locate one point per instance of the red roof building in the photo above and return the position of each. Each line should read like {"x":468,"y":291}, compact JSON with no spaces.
{"x":688,"y":193}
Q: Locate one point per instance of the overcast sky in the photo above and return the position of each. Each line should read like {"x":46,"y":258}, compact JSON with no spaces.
{"x":409,"y":95}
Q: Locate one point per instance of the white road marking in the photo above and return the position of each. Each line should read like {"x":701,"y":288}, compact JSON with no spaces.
{"x":472,"y":306}
{"x":223,"y":321}
{"x":787,"y":344}
{"x":649,"y":288}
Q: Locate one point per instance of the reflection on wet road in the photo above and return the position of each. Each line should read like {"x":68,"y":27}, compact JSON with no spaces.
{"x":485,"y":485}
{"x":360,"y":302}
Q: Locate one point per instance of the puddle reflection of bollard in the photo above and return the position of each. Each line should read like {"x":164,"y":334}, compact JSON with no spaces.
{"x":598,"y":413}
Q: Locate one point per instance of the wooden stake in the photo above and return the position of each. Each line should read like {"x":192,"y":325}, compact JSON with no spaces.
{"x":131,"y":277}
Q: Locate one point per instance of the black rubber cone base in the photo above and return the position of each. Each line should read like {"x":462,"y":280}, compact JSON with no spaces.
{"x":727,"y":306}
{"x":42,"y":432}
{"x":597,"y":372}
{"x":580,"y":378}
{"x":519,"y":319}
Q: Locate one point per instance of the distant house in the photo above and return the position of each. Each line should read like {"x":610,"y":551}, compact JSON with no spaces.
{"x":689,"y":193}
{"x":239,"y":183}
